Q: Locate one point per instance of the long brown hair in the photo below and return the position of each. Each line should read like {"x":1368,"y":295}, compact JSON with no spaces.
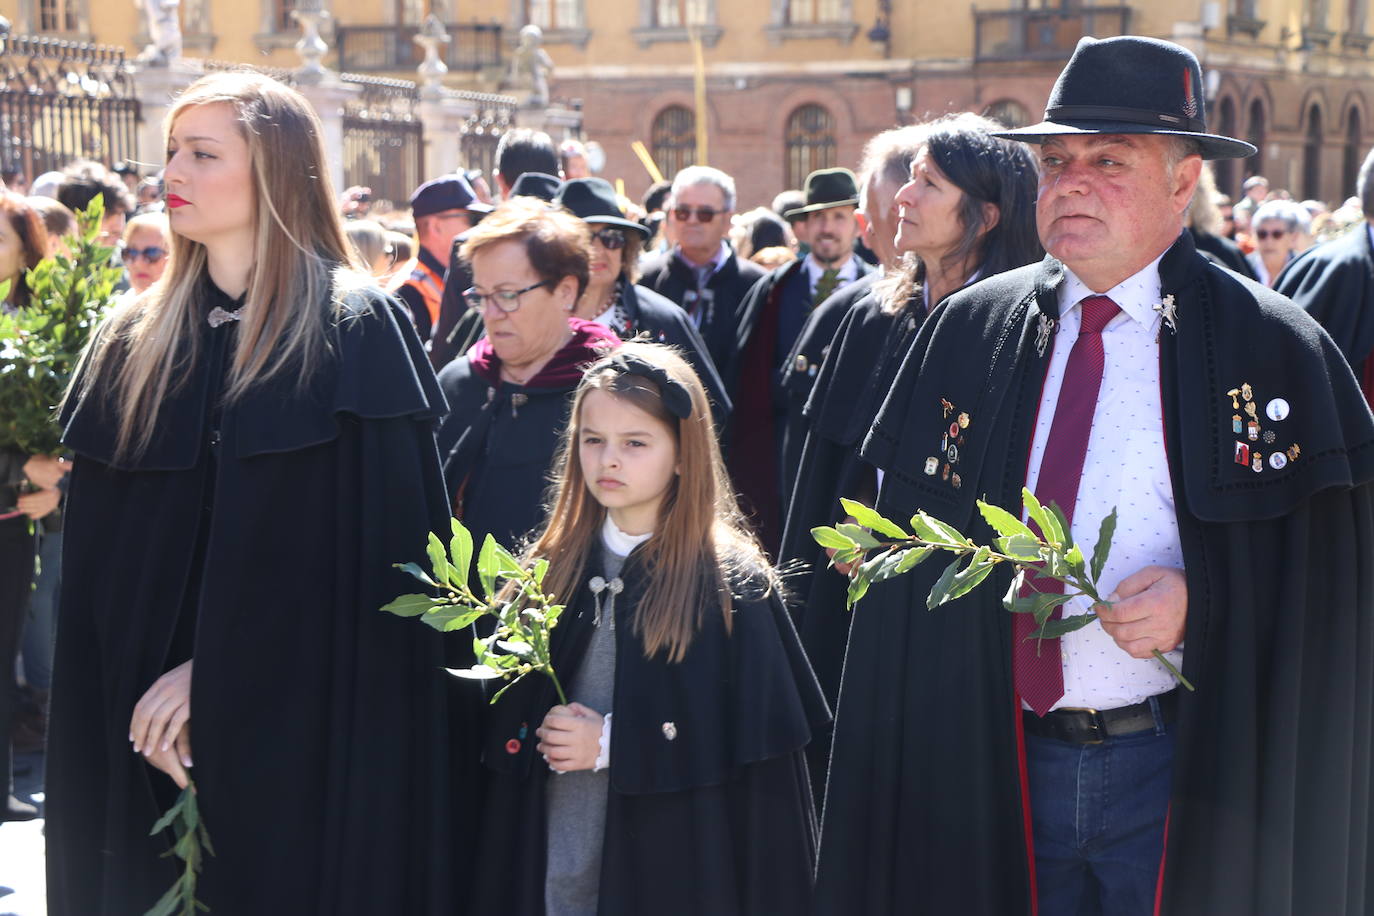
{"x":701,"y":553}
{"x":300,"y":258}
{"x":26,"y":223}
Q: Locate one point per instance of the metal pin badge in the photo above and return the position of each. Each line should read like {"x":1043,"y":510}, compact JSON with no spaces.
{"x":963,"y":421}
{"x":1278,"y":461}
{"x":1043,"y":332}
{"x":1242,"y":453}
{"x":1277,"y":410}
{"x":670,"y":731}
{"x":932,"y":466}
{"x":1169,"y":310}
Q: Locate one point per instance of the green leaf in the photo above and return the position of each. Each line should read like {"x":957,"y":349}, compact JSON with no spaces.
{"x":460,"y":552}
{"x":976,"y":571}
{"x":831,"y":539}
{"x":487,"y":566}
{"x":411,"y":605}
{"x":931,"y":529}
{"x":438,"y":559}
{"x":514,"y":647}
{"x":540,"y":570}
{"x":1050,"y":629}
{"x":1104,"y":544}
{"x":506,"y":563}
{"x":848,"y":557}
{"x":1019,"y":546}
{"x":1063,"y":521}
{"x":168,"y":903}
{"x":858,"y":587}
{"x":170,"y":815}
{"x":448,"y":618}
{"x":1039,"y":604}
{"x":858,"y":535}
{"x":1004,"y":523}
{"x":910,"y":558}
{"x":1044,"y":519}
{"x":415,"y":570}
{"x":939,"y":592}
{"x":476,"y":673}
{"x":871,"y":519}
{"x":1075,"y":561}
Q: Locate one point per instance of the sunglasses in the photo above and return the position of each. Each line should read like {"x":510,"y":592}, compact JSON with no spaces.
{"x":610,"y":239}
{"x":1263,"y":234}
{"x":703,"y":214}
{"x":507,"y":300}
{"x":152,"y":254}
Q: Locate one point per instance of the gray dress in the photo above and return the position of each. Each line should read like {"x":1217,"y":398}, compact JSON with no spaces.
{"x":577,"y":801}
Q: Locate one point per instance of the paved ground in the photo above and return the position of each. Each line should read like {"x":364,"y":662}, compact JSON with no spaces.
{"x":23,"y":890}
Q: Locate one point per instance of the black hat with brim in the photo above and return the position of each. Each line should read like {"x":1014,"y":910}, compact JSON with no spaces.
{"x":536,"y":184}
{"x":826,"y":188}
{"x":593,"y":200}
{"x":449,"y":192}
{"x":1130,"y":85}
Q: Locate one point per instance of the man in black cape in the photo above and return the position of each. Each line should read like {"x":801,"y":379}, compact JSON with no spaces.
{"x":939,"y":798}
{"x":1334,"y":282}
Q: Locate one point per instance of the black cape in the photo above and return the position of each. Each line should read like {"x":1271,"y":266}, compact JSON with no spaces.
{"x":258,"y":539}
{"x":1222,"y":250}
{"x":454,"y":332}
{"x":715,"y":819}
{"x":848,"y":390}
{"x":646,"y":313}
{"x":1335,"y":284}
{"x":1270,"y":813}
{"x":668,"y":276}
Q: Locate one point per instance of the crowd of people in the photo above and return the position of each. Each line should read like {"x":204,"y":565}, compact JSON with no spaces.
{"x":661,"y":399}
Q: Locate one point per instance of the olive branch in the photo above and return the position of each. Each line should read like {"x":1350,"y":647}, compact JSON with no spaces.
{"x":1050,"y":555}
{"x":191,"y":845}
{"x":524,"y":614}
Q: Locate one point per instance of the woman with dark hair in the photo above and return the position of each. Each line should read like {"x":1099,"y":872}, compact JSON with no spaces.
{"x":966,"y":211}
{"x":28,"y":489}
{"x":254,"y":440}
{"x":612,"y":297}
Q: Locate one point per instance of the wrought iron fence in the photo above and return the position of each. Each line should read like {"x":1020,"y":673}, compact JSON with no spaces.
{"x":64,"y":100}
{"x":473,"y":47}
{"x":482,"y":132}
{"x":384,"y":139}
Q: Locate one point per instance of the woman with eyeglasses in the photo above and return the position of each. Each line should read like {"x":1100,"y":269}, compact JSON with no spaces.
{"x":508,"y":395}
{"x":1280,"y":232}
{"x":612,"y":297}
{"x":143,"y":248}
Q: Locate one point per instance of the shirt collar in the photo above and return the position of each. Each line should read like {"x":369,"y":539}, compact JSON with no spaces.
{"x":711,"y":266}
{"x":1137,"y":295}
{"x":848,"y":272}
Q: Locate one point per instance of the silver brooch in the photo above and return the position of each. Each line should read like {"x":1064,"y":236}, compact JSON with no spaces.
{"x":1042,"y":334}
{"x":598,"y":584}
{"x":1169,"y":310}
{"x":219,"y":316}
{"x":669,"y":731}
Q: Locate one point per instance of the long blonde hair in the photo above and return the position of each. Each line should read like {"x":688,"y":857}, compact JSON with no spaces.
{"x":301,"y":261}
{"x":701,"y":553}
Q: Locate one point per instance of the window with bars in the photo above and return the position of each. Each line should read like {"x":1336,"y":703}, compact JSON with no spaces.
{"x":284,"y":20}
{"x":669,"y":14}
{"x":673,"y":140}
{"x":554,"y":14}
{"x":810,"y":142}
{"x":58,"y":16}
{"x":816,"y":12}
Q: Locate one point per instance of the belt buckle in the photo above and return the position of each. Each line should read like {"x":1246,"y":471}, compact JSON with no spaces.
{"x":1096,"y":722}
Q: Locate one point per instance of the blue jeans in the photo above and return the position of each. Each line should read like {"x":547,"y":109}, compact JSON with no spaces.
{"x":41,"y":628}
{"x":1097,"y":813}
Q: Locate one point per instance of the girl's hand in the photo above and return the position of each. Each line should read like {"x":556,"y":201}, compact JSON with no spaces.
{"x":175,"y":759}
{"x":570,"y":738}
{"x":39,"y":503}
{"x":44,"y":471}
{"x":161,"y":717}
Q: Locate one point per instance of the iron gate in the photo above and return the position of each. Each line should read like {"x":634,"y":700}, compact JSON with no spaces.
{"x":384,"y":140}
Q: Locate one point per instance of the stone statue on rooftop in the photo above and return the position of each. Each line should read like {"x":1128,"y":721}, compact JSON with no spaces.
{"x":164,"y":32}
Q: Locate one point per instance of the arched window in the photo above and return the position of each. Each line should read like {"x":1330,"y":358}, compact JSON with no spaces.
{"x":1008,"y":113}
{"x":673,"y":140}
{"x":1255,"y":164}
{"x":1225,"y":169}
{"x":1312,"y":155}
{"x":810,"y":143}
{"x":1351,"y":155}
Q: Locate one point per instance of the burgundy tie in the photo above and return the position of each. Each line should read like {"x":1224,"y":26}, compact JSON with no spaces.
{"x":1039,"y":673}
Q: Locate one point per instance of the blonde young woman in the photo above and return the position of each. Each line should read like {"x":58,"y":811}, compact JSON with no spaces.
{"x":254,"y":449}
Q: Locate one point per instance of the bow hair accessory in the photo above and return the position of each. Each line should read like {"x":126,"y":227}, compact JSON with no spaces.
{"x":675,"y":395}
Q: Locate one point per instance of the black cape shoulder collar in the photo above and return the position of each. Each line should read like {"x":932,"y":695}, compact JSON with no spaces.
{"x":985,"y":350}
{"x":375,"y":369}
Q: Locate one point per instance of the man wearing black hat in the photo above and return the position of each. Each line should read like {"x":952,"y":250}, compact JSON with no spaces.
{"x":770,"y":318}
{"x":443,"y":209}
{"x":979,"y":771}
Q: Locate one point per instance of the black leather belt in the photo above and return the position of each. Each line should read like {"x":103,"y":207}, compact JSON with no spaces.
{"x":1093,"y":726}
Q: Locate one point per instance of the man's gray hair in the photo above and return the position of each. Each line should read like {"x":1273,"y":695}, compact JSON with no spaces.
{"x":888,"y":156}
{"x":704,"y":174}
{"x":1364,"y":187}
{"x":1178,"y":149}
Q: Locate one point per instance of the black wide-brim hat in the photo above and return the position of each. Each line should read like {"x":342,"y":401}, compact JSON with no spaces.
{"x":826,"y":188}
{"x":1131,"y":85}
{"x":593,"y":200}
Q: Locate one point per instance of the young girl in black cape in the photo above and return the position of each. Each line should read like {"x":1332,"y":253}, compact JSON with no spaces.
{"x":673,"y":782}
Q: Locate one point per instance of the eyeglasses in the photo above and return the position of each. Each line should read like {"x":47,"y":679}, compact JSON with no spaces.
{"x":1263,"y":234}
{"x":507,"y":300}
{"x":610,"y":239}
{"x":152,"y":254}
{"x":703,"y":214}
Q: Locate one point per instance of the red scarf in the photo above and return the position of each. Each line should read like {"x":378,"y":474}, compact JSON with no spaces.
{"x":590,"y":342}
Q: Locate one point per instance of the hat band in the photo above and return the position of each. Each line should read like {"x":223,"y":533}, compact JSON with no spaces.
{"x":1130,"y":115}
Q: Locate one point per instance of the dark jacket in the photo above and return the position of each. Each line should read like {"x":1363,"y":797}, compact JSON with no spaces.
{"x":717,"y":315}
{"x":1334,"y":283}
{"x":1271,"y":806}
{"x":258,"y":538}
{"x":1222,"y":250}
{"x":708,"y":810}
{"x":458,"y":326}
